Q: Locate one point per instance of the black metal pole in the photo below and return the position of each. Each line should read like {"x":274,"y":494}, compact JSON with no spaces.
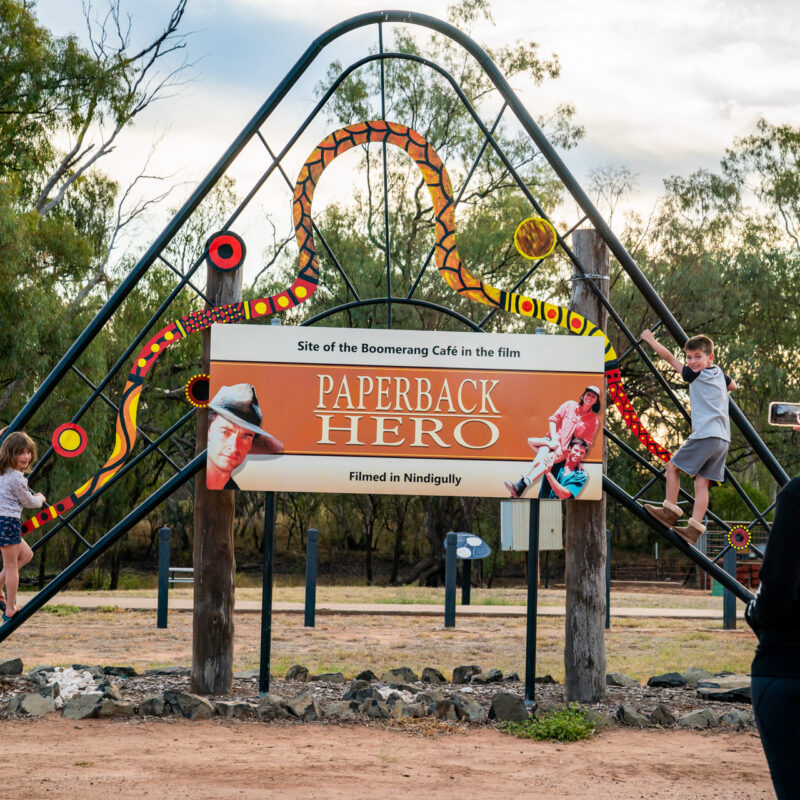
{"x":466,"y":580}
{"x":163,"y":576}
{"x":450,"y":567}
{"x":311,"y":576}
{"x":533,"y":588}
{"x":608,"y":578}
{"x":728,"y":599}
{"x":266,"y":593}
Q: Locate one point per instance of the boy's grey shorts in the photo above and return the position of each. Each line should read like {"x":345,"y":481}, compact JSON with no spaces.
{"x":703,"y":457}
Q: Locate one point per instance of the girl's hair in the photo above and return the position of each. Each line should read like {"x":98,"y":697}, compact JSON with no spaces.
{"x":14,"y":444}
{"x":595,"y":405}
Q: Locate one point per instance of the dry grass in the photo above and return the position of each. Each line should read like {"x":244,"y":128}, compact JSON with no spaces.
{"x":348,"y":644}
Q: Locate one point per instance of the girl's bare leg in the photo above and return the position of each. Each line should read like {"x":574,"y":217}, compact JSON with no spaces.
{"x":11,"y":569}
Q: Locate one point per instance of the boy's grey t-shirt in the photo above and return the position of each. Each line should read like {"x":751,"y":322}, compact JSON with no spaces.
{"x":708,"y":393}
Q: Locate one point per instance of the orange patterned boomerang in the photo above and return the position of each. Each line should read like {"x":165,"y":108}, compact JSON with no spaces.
{"x":448,"y":262}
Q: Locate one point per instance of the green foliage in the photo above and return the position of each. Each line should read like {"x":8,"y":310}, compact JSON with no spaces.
{"x":567,"y":725}
{"x":61,"y":610}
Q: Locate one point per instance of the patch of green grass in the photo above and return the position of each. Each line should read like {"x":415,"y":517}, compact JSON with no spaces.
{"x":61,"y":610}
{"x":568,"y":725}
{"x":107,"y":609}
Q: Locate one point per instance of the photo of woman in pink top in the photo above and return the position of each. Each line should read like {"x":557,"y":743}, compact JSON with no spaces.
{"x":570,"y":419}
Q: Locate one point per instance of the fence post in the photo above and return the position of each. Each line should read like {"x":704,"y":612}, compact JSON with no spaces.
{"x":450,"y":580}
{"x":608,"y":578}
{"x":311,"y":576}
{"x":728,"y":598}
{"x":533,"y":600}
{"x":163,"y":576}
{"x":466,"y":580}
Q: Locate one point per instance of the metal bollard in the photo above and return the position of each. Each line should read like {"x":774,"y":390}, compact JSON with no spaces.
{"x":450,"y":566}
{"x":466,"y":580}
{"x":608,"y":578}
{"x":311,"y":576}
{"x":728,"y":598}
{"x":163,"y":576}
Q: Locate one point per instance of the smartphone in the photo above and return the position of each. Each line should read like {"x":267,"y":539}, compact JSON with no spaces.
{"x":784,"y":413}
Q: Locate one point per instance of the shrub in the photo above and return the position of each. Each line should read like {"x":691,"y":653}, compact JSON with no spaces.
{"x":568,"y":725}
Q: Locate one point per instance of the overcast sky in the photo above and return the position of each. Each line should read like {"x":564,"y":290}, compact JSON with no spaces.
{"x":662,"y":87}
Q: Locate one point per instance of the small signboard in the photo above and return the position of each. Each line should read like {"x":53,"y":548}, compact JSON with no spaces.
{"x":469,"y":547}
{"x":404,"y":412}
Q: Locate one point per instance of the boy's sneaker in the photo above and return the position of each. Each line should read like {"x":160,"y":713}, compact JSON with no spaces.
{"x":516,"y":489}
{"x":691,"y":533}
{"x":667,"y":515}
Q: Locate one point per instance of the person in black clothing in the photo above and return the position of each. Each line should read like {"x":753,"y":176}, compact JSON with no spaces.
{"x":774,"y":615}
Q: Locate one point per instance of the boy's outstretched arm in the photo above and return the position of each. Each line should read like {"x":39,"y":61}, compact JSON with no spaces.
{"x":732,"y":385}
{"x":661,"y":351}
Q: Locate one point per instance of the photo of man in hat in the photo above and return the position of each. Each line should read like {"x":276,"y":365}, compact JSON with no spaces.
{"x":571,"y":419}
{"x":234,"y":430}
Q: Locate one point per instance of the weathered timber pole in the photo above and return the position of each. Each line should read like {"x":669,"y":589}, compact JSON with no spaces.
{"x":214,"y":563}
{"x":585,"y":565}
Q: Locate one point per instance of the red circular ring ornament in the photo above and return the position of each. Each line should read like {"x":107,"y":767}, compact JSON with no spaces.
{"x":225,"y":251}
{"x":739,"y":538}
{"x":197,"y":390}
{"x":69,"y":440}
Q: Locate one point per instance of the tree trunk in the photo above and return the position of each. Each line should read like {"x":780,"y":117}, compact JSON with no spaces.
{"x":585,"y":557}
{"x":213,"y":558}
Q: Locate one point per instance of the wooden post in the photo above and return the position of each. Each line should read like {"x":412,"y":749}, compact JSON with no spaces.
{"x":213,"y":558}
{"x":585,"y":562}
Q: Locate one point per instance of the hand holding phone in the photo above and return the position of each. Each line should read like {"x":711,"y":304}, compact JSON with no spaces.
{"x":784,"y":414}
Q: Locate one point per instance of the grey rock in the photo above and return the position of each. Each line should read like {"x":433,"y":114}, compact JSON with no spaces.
{"x":468,"y":709}
{"x":189,"y":706}
{"x":597,"y":719}
{"x":42,"y":668}
{"x":495,"y":676}
{"x":11,"y":666}
{"x":444,"y":710}
{"x":153,"y":705}
{"x":177,"y":671}
{"x":366,"y":675}
{"x":339,"y":709}
{"x":393,"y":698}
{"x":431,"y":675}
{"x":404,"y":687}
{"x":95,"y":671}
{"x":546,"y":680}
{"x":376,"y":709}
{"x":628,"y":715}
{"x":113,"y":708}
{"x":737,"y":717}
{"x":512,"y":677}
{"x":83,"y":706}
{"x":305,"y":707}
{"x":271,"y":707}
{"x":50,"y":690}
{"x":669,"y":680}
{"x":399,"y":675}
{"x":702,"y":718}
{"x":618,"y":679}
{"x":110,"y":691}
{"x":464,"y":673}
{"x":695,"y":674}
{"x":508,"y":707}
{"x":247,"y":674}
{"x":329,"y":677}
{"x":429,"y":697}
{"x":402,"y":710}
{"x":234,"y":710}
{"x":356,"y":687}
{"x":479,"y":680}
{"x":33,"y":704}
{"x":730,"y":688}
{"x":661,"y":715}
{"x":297,"y":673}
{"x":120,"y":672}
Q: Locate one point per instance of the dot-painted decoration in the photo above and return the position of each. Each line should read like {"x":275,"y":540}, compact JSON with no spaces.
{"x":197,"y":392}
{"x":739,"y":538}
{"x":69,"y":440}
{"x":225,"y":251}
{"x":535,"y":238}
{"x":470,"y":546}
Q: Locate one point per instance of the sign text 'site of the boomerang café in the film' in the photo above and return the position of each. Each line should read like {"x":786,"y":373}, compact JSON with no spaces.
{"x":402,"y":412}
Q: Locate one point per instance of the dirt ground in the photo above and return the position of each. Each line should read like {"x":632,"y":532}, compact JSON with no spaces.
{"x":98,"y":759}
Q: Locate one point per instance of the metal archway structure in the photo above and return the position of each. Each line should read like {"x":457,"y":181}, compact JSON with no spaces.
{"x":159,"y":449}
